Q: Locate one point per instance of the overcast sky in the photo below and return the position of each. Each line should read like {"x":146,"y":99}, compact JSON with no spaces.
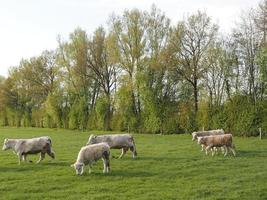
{"x":27,"y":27}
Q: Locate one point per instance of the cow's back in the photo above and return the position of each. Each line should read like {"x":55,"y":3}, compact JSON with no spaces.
{"x":34,"y":145}
{"x":117,"y":141}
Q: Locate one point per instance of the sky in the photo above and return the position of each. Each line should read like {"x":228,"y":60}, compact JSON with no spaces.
{"x":28,"y":27}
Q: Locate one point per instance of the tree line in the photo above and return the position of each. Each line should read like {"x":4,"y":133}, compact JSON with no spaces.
{"x":143,"y":74}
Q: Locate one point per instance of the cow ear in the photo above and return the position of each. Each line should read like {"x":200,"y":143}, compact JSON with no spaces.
{"x":94,"y":136}
{"x":72,"y":165}
{"x":6,"y":140}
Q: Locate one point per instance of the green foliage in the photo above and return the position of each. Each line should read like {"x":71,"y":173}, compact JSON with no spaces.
{"x":261,"y":115}
{"x":186,"y":117}
{"x":102,"y":109}
{"x":125,"y":109}
{"x":240,"y":115}
{"x":53,"y":110}
{"x":262,"y":62}
{"x":203,"y":118}
{"x":219,"y":119}
{"x":38,"y":116}
{"x":78,"y":115}
{"x":145,"y":75}
{"x":152,"y":123}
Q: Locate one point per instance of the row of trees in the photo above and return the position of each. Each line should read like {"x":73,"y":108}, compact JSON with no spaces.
{"x":142,"y":74}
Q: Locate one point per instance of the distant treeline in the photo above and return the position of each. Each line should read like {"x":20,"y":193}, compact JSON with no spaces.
{"x":143,"y":74}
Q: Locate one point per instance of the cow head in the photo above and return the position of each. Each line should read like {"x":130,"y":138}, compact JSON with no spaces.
{"x":200,"y":140}
{"x":78,"y":167}
{"x":6,"y":145}
{"x":194,"y":136}
{"x":92,"y":139}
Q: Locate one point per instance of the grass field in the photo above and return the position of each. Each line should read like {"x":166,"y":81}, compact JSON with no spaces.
{"x":167,"y":167}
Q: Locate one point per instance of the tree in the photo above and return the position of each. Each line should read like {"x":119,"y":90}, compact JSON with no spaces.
{"x":81,"y":89}
{"x":261,"y":20}
{"x":248,"y":39}
{"x":189,"y":43}
{"x":157,"y":83}
{"x":129,"y":31}
{"x":100,"y":62}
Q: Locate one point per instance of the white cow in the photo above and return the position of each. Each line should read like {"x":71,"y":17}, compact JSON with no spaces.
{"x":24,"y":147}
{"x":116,"y":141}
{"x":90,"y":154}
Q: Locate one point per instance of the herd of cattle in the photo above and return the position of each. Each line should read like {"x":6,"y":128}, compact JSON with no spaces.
{"x":99,"y":147}
{"x":215,"y":140}
{"x":96,"y":148}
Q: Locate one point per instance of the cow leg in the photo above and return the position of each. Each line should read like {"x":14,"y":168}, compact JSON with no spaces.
{"x":24,"y":158}
{"x":233,"y":151}
{"x":51,"y":153}
{"x":207,"y":149}
{"x":107,"y":165}
{"x":104,"y":165}
{"x":42,"y":156}
{"x":202,"y":147}
{"x":217,"y":149}
{"x":105,"y":158}
{"x":223,"y":149}
{"x":213,"y":151}
{"x":226,"y":151}
{"x":123,"y":151}
{"x":20,"y":157}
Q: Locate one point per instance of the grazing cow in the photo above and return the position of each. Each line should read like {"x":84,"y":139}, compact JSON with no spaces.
{"x":90,"y":154}
{"x":118,"y":141}
{"x":24,"y":147}
{"x":218,"y":141}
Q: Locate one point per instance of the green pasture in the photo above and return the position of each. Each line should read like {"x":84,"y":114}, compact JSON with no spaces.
{"x":167,"y":167}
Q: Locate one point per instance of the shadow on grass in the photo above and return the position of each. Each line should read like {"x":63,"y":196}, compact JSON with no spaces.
{"x":121,"y":173}
{"x":17,"y":168}
{"x":242,"y":153}
{"x":57,"y":163}
{"x":150,"y":158}
{"x":30,"y":166}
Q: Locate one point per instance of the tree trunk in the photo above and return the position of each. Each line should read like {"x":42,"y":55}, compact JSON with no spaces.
{"x":195,"y":95}
{"x":108,"y":115}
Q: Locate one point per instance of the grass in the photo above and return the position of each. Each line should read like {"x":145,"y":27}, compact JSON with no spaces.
{"x":167,"y":167}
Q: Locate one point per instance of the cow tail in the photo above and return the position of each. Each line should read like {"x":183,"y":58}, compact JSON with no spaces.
{"x":50,"y":141}
{"x":106,"y":154}
{"x":135,"y":152}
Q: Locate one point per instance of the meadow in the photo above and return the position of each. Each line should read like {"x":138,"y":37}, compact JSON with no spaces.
{"x":167,"y":167}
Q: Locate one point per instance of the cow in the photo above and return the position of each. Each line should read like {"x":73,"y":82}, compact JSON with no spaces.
{"x":116,"y":141}
{"x":24,"y":147}
{"x":90,"y":154}
{"x":225,"y":141}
